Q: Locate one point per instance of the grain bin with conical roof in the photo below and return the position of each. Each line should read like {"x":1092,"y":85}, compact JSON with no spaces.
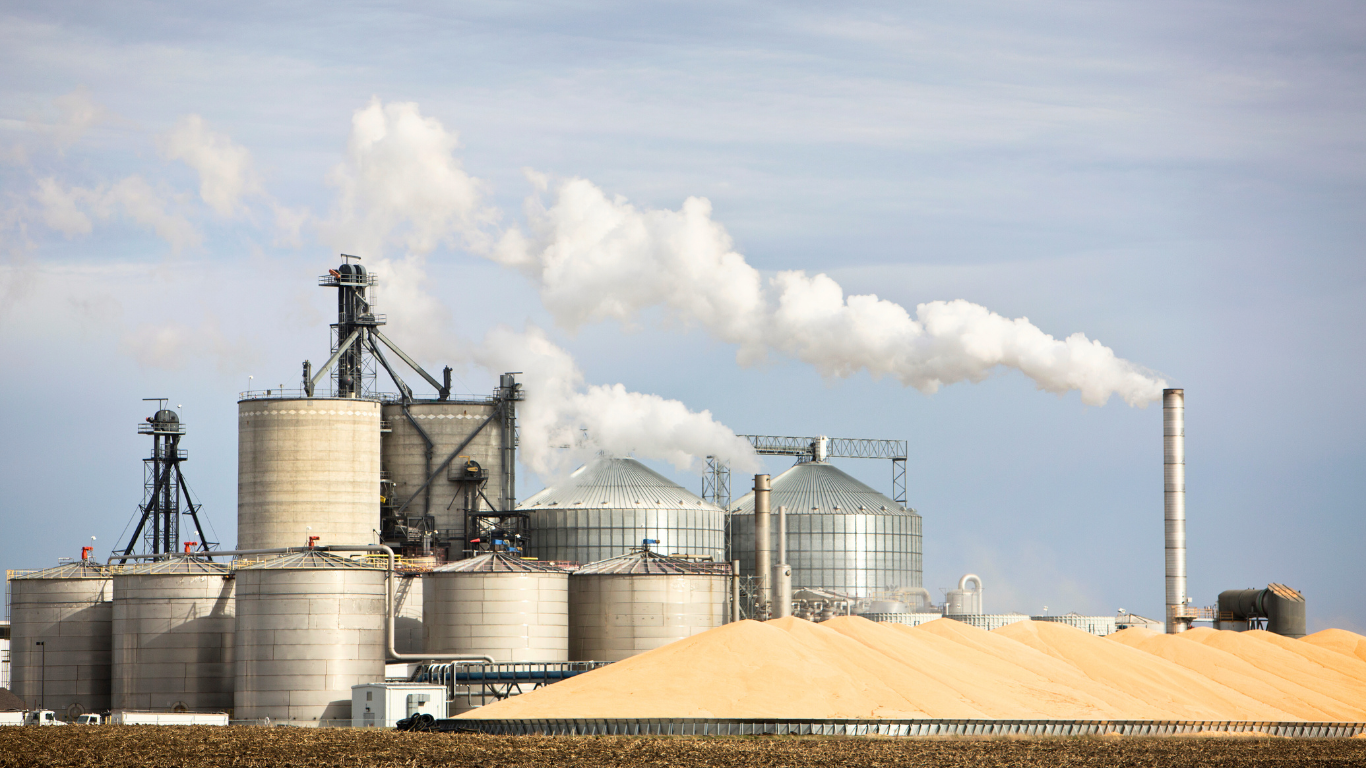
{"x":611,"y":505}
{"x":173,"y":633}
{"x":640,"y":601}
{"x":498,"y":605}
{"x":309,"y":626}
{"x":842,"y":535}
{"x":60,"y":637}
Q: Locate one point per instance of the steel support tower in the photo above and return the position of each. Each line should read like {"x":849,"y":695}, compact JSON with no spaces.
{"x":164,"y":488}
{"x":716,"y":480}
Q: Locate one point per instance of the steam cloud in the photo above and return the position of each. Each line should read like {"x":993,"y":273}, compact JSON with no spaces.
{"x":599,"y":258}
{"x":401,"y":189}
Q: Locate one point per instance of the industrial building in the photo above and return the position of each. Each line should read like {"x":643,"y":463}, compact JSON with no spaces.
{"x":377,"y":528}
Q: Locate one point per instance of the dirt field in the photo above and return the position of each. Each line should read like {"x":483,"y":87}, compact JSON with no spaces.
{"x":242,"y":747}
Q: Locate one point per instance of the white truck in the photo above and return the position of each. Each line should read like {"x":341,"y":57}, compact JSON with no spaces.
{"x":13,"y":717}
{"x":42,"y":717}
{"x":169,"y":718}
{"x":90,"y":719}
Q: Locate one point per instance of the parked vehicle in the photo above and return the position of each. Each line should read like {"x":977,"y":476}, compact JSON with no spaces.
{"x":14,"y":717}
{"x":42,"y":717}
{"x":90,"y":719}
{"x":169,"y":718}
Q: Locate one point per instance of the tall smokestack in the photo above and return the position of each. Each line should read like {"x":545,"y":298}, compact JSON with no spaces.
{"x":1174,"y":486}
{"x":763,"y":552}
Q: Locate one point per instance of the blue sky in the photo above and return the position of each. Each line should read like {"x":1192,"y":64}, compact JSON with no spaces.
{"x":1183,"y":183}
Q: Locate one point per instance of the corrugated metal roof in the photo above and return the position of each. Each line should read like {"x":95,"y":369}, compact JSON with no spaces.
{"x":645,"y":563}
{"x":178,"y":566}
{"x":311,"y":560}
{"x":613,"y":483}
{"x":817,"y":487}
{"x":497,"y":562}
{"x":81,"y":569}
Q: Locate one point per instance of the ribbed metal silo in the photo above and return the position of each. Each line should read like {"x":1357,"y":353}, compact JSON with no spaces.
{"x":842,"y":535}
{"x":68,"y":610}
{"x":307,"y":463}
{"x":309,"y":626}
{"x":609,"y":506}
{"x":640,"y":601}
{"x":173,"y":634}
{"x":498,"y":605}
{"x":409,"y":459}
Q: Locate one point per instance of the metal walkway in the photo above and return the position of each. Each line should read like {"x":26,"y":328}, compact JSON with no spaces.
{"x":766,"y":727}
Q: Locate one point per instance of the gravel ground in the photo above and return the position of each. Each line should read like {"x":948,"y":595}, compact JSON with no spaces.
{"x":247,"y":747}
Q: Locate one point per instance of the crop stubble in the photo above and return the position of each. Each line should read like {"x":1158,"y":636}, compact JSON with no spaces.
{"x":248,"y":747}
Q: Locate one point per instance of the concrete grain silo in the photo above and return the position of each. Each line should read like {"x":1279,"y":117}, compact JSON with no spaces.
{"x":61,"y":637}
{"x":309,"y":626}
{"x":611,"y":505}
{"x":640,"y":601}
{"x":498,"y":605}
{"x":423,"y":433}
{"x":173,"y":625}
{"x":307,"y":463}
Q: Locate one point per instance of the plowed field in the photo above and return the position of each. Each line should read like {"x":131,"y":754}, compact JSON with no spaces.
{"x":245,"y":747}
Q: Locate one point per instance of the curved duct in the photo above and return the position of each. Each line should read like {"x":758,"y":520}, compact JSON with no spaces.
{"x":1281,"y":606}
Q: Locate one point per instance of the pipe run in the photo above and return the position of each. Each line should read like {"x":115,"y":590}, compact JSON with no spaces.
{"x":782,"y":572}
{"x":389,"y":602}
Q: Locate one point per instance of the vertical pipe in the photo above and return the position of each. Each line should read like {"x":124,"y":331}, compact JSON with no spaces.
{"x":1174,"y":492}
{"x":735,"y":590}
{"x":763,"y":553}
{"x":782,"y":572}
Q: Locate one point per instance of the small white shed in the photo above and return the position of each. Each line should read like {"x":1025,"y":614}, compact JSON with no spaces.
{"x":382,"y":705}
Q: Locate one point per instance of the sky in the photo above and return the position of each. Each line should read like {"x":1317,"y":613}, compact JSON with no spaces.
{"x":673,"y":218}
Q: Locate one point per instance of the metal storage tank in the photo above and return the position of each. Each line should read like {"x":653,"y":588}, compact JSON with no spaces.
{"x":309,"y":626}
{"x":498,"y":605}
{"x":173,"y":631}
{"x":609,"y":506}
{"x":640,"y":601}
{"x":842,"y":535}
{"x":68,"y":610}
{"x":408,"y":460}
{"x":305,"y":463}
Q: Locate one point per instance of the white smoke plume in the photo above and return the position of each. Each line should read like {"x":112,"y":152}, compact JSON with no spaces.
{"x":225,"y":169}
{"x":597,"y":258}
{"x":401,"y":194}
{"x":563,"y":421}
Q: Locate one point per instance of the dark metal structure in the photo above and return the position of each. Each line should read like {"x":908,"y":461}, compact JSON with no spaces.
{"x":716,"y":480}
{"x":164,"y":486}
{"x":356,"y":332}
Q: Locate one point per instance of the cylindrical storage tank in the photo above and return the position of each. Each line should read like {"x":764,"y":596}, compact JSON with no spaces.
{"x":640,"y":601}
{"x":173,"y":632}
{"x":309,"y":626}
{"x":964,"y":601}
{"x":447,"y":424}
{"x":842,"y":536}
{"x":610,"y":506}
{"x":68,"y":610}
{"x":498,"y":605}
{"x":307,"y":463}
